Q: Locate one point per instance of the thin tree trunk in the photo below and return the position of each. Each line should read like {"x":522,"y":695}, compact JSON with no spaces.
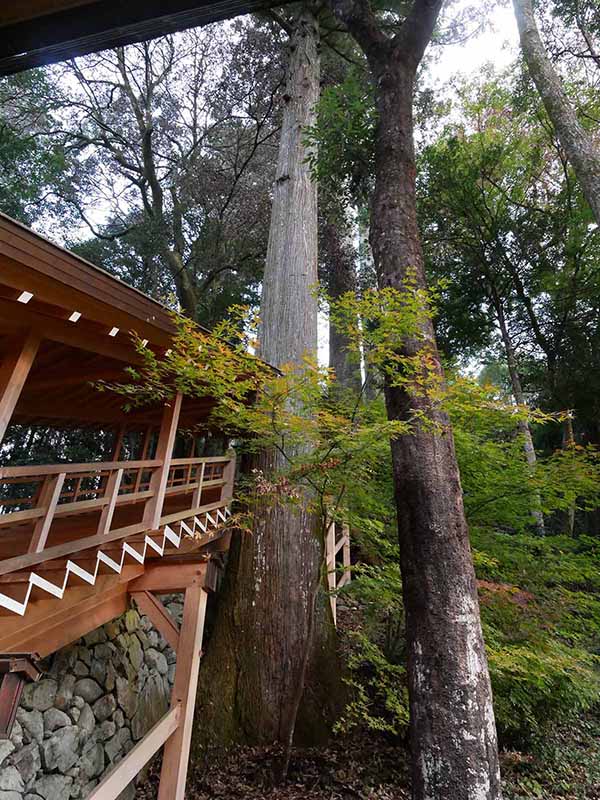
{"x":568,"y":443}
{"x":576,"y":141}
{"x":267,"y":635}
{"x":517,"y":390}
{"x":341,"y":279}
{"x":453,"y":734}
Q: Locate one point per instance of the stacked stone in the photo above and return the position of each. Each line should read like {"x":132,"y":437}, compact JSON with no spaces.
{"x":96,"y":700}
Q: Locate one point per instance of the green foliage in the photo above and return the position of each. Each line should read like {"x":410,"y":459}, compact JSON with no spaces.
{"x":342,"y":140}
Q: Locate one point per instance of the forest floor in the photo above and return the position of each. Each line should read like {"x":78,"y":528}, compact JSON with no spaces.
{"x":366,"y":767}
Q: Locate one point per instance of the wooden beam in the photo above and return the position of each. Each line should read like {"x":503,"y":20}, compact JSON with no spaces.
{"x":164,"y":452}
{"x":13,"y":374}
{"x":51,"y":624}
{"x":165,"y":577}
{"x":128,"y":768}
{"x":48,"y":501}
{"x":159,"y":617}
{"x":176,"y":753}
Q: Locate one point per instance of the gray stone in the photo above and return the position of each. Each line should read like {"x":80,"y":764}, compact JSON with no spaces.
{"x":113,"y":629}
{"x":87,"y":721}
{"x":127,"y":697}
{"x":87,"y":788}
{"x":132,"y":620}
{"x":54,"y":719}
{"x":171,"y":673}
{"x":103,"y":651}
{"x":65,"y":692}
{"x":107,"y":730}
{"x":32,"y":723}
{"x":110,"y":679}
{"x":154,"y":702}
{"x":33,"y":797}
{"x":175,"y":610}
{"x":95,"y":637}
{"x":119,"y":718}
{"x":145,"y":623}
{"x":53,"y":787}
{"x":16,"y":736}
{"x":78,"y":702}
{"x":80,"y":669}
{"x":40,"y":696}
{"x":88,"y":689}
{"x":104,"y":707}
{"x":10,"y":795}
{"x":11,"y":780}
{"x":85,"y":655}
{"x":92,"y":761}
{"x":113,"y":747}
{"x":75,"y":713}
{"x":28,"y":761}
{"x":156,"y":660}
{"x":98,"y":671}
{"x":61,"y":750}
{"x":6,"y":748}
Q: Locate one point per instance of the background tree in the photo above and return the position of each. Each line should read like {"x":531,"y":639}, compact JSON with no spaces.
{"x":454,"y":750}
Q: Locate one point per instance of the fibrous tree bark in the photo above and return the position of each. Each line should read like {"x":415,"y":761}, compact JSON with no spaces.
{"x":579,"y":146}
{"x":453,"y":736}
{"x":270,"y":631}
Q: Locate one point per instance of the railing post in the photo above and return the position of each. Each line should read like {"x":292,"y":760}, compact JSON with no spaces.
{"x":111,"y":492}
{"x":330,"y":566}
{"x":229,"y":476}
{"x":197,"y":496}
{"x":49,"y":497}
{"x":164,"y":453}
{"x":347,"y":575}
{"x":177,"y":747}
{"x":13,"y":374}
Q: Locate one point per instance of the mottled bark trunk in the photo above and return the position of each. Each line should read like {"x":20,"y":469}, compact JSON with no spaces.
{"x":517,"y":390}
{"x":341,"y":278}
{"x":267,"y":635}
{"x":452,"y":720}
{"x":576,"y":141}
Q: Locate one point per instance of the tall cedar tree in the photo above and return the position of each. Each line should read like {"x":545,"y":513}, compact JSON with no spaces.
{"x":453,"y":735}
{"x":581,"y":150}
{"x":273,"y":628}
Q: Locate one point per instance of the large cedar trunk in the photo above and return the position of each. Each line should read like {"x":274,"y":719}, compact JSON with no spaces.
{"x":579,"y":146}
{"x":453,"y":732}
{"x":270,"y":631}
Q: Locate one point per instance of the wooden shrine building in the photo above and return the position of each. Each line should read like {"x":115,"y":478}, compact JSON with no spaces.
{"x":79,"y":540}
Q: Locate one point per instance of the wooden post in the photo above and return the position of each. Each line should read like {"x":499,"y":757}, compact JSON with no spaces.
{"x":229,"y":476}
{"x":164,"y":452}
{"x":143,"y":457}
{"x":197,"y":496}
{"x":13,"y":374}
{"x":49,"y":497}
{"x":118,"y":443}
{"x":111,"y":492}
{"x":330,"y":566}
{"x":175,"y":758}
{"x":347,"y":576}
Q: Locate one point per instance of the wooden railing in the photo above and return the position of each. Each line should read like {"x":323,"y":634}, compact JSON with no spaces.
{"x":333,"y":545}
{"x":42,"y":494}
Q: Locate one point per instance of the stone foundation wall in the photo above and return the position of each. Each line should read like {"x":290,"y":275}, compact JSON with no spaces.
{"x":98,"y":697}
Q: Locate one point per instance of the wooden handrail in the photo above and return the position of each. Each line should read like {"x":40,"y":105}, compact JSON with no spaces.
{"x":178,"y":462}
{"x":67,"y":549}
{"x":126,"y":770}
{"x":34,"y":471}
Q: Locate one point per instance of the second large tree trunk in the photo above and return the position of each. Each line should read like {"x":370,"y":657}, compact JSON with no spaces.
{"x":452,"y":721}
{"x":271,"y":631}
{"x":579,"y":146}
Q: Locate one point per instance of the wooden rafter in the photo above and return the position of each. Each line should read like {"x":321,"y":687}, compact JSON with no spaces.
{"x":13,"y":374}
